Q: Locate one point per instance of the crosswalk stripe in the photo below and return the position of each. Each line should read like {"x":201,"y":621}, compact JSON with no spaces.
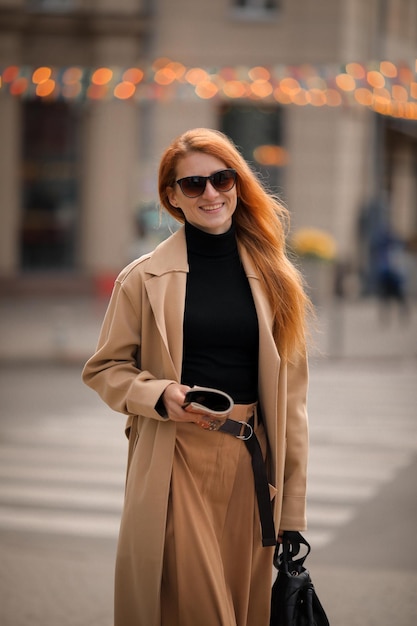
{"x":319,"y":538}
{"x":339,"y":491}
{"x":57,"y":522}
{"x":70,"y":497}
{"x":63,"y":475}
{"x":57,"y":455}
{"x":334,"y":514}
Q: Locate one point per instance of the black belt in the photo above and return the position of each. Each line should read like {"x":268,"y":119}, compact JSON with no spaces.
{"x":245,"y":431}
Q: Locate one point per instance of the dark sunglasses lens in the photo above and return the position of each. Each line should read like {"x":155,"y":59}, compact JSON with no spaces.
{"x":193,"y":186}
{"x":224,"y":180}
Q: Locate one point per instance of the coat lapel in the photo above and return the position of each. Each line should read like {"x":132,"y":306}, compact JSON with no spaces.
{"x":165,"y":286}
{"x":269,"y":359}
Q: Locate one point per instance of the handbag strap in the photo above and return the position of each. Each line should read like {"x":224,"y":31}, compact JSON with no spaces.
{"x":292,"y":540}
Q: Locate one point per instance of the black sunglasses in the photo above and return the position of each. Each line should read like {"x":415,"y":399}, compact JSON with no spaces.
{"x":194,"y":186}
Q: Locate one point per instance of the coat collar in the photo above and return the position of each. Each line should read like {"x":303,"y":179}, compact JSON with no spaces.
{"x":170,"y":255}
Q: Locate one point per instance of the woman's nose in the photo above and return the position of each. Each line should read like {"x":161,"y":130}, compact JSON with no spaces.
{"x":210,"y":191}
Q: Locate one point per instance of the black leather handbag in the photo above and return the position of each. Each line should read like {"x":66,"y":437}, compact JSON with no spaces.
{"x":294,"y":601}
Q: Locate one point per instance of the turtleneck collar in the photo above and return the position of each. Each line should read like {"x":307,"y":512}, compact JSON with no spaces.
{"x":206,"y":244}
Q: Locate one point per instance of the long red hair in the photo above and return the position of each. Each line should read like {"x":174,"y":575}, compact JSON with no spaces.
{"x":261,"y":223}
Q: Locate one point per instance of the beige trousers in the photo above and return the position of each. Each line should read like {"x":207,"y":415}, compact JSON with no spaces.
{"x":216,"y":572}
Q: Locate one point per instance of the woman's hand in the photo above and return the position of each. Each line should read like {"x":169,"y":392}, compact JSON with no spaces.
{"x":174,"y":399}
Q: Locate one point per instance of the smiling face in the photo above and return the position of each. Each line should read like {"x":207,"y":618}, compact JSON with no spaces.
{"x":212,"y":211}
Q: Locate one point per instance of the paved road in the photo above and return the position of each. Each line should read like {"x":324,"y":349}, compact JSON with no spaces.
{"x":62,"y":461}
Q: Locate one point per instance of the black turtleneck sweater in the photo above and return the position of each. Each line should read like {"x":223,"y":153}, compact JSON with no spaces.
{"x":220,"y":322}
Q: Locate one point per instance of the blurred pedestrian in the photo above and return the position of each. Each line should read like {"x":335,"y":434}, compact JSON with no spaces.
{"x":218,"y":305}
{"x":389,"y":253}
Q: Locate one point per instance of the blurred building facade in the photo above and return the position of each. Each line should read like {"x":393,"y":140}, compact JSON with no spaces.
{"x":78,"y":175}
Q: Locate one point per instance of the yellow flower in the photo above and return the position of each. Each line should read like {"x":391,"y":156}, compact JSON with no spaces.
{"x":315,"y":243}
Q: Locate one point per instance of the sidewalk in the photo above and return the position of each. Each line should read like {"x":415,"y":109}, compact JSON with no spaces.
{"x":65,"y":329}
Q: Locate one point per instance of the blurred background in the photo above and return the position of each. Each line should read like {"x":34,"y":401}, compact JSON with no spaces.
{"x":321,"y":98}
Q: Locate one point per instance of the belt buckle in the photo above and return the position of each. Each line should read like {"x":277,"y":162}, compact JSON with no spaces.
{"x":245,"y":437}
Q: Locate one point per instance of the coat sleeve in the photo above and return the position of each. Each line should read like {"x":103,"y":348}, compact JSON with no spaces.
{"x":114,"y":371}
{"x":295,"y":472}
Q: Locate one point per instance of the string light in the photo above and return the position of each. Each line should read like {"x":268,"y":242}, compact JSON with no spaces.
{"x":385,"y":87}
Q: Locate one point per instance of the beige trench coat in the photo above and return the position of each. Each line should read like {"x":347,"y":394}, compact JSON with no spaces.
{"x":139,"y":353}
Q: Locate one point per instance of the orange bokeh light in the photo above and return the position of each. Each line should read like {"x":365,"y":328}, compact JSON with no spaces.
{"x":177,"y":68}
{"x":72,"y":75}
{"x":399,"y":93}
{"x":301,"y":97}
{"x":356,"y":70}
{"x":345,"y":82}
{"x":196,"y":75}
{"x":10,"y":73}
{"x":261,"y":88}
{"x":289,"y":85}
{"x":206,"y":90}
{"x":281,"y":96}
{"x":317,"y":97}
{"x":316,"y":82}
{"x":133,"y":75}
{"x":19,"y":86}
{"x":124,"y":90}
{"x":234,"y":89}
{"x":259,"y":73}
{"x":271,"y":155}
{"x":382,"y":94}
{"x":41,"y":75}
{"x":46,"y":88}
{"x":97,"y":92}
{"x":102,"y":76}
{"x":363,"y":96}
{"x":165,"y":76}
{"x":375,"y":79}
{"x":388,"y":69}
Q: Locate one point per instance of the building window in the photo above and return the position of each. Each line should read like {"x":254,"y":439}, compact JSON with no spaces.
{"x":257,"y":131}
{"x":49,"y":186}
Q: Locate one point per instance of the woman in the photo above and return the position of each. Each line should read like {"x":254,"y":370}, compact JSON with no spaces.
{"x":218,"y":305}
